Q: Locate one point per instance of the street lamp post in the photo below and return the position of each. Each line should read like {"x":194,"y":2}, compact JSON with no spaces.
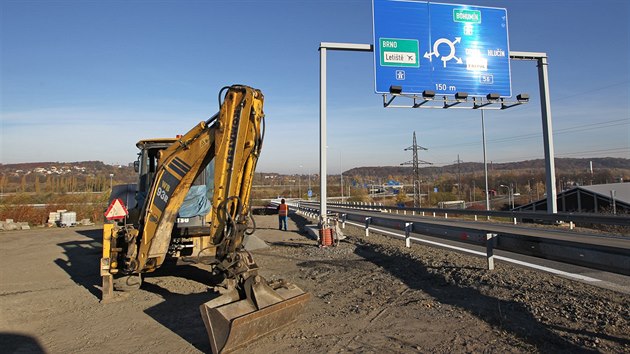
{"x":510,"y":194}
{"x":111,"y":177}
{"x":485,"y":163}
{"x":341,"y":174}
{"x":299,"y":183}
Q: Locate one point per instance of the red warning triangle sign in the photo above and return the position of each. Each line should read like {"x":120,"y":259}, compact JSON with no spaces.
{"x":116,"y":210}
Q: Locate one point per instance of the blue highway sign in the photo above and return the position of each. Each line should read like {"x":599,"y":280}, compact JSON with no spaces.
{"x":445,"y":48}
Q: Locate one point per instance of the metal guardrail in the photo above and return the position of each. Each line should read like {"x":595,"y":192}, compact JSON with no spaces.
{"x":592,"y":255}
{"x":582,"y":218}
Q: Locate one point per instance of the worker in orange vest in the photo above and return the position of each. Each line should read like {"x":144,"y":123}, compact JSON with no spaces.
{"x":283,"y":215}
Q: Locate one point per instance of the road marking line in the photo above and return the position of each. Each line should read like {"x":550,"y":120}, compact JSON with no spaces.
{"x":510,"y":260}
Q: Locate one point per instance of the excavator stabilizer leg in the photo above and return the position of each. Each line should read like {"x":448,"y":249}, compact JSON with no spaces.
{"x":107,"y":291}
{"x":233,"y":324}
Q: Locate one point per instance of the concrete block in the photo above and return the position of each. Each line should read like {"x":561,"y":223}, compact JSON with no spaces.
{"x":85,"y":222}
{"x":10,"y":226}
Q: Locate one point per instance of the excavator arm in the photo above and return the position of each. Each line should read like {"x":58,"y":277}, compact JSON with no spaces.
{"x":233,"y":139}
{"x":248,"y":306}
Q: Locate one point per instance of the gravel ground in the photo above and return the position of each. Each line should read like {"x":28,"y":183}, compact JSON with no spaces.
{"x":372,"y":294}
{"x":369,"y":295}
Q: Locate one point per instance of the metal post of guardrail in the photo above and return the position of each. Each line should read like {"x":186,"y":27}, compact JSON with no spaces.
{"x":408,"y":228}
{"x":367,"y":226}
{"x":490,"y":249}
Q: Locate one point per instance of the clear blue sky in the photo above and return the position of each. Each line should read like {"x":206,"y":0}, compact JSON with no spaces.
{"x":85,"y":80}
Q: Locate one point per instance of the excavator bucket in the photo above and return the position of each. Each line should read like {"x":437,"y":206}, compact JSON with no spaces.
{"x":232,"y":323}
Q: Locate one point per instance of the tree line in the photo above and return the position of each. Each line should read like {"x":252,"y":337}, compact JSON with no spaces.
{"x":34,"y":183}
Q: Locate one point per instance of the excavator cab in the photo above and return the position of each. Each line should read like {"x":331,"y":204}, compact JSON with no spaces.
{"x":248,"y":306}
{"x":194,"y":215}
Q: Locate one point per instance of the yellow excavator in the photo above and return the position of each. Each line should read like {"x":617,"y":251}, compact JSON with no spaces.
{"x":246,"y":306}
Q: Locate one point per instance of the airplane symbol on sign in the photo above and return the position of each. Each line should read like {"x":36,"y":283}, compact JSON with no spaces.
{"x":400,"y":74}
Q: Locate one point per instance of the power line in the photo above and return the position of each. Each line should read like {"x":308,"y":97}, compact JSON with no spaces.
{"x":575,"y":129}
{"x":586,"y":152}
{"x":588,"y":92}
{"x":557,"y":132}
{"x":621,"y":149}
{"x":580,"y":153}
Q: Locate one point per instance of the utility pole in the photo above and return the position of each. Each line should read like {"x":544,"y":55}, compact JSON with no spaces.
{"x":341,"y":171}
{"x":417,"y":201}
{"x":485,"y":162}
{"x":459,"y":178}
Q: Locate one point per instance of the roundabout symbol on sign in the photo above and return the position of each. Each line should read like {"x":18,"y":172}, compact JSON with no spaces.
{"x":451,"y":54}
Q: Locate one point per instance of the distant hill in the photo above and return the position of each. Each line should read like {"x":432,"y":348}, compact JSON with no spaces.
{"x":63,"y":176}
{"x":25,"y":166}
{"x":126,"y":174}
{"x":565,"y":165}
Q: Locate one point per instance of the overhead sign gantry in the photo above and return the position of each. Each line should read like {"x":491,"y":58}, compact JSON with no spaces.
{"x":482,"y":71}
{"x":444,"y":48}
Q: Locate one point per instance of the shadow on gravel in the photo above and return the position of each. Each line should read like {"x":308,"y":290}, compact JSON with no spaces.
{"x":292,"y":244}
{"x":509,"y":316}
{"x":180,"y":312}
{"x":19,"y":343}
{"x":300,"y":221}
{"x":83,"y":260}
{"x":593,"y":335}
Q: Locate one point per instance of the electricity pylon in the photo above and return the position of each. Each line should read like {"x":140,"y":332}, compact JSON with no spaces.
{"x":417,"y":202}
